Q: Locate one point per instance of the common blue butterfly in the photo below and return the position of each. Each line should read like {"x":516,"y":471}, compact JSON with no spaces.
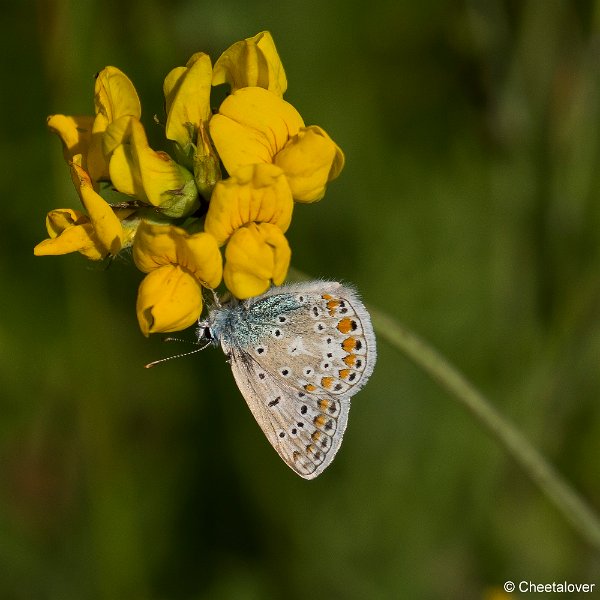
{"x":298,"y":354}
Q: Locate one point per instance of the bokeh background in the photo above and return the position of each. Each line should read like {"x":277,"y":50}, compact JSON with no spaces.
{"x":469,"y":209}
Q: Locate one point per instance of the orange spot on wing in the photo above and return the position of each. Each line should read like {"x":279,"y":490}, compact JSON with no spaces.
{"x":349,"y":344}
{"x":350,"y":359}
{"x":323,"y":404}
{"x":344,"y":373}
{"x":316,"y":434}
{"x":346,"y":325}
{"x":320,"y":420}
{"x":327,"y":297}
{"x":309,"y":387}
{"x":327,"y":382}
{"x":332,"y":305}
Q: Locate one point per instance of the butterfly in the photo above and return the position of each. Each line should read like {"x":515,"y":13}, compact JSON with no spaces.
{"x":298,"y":354}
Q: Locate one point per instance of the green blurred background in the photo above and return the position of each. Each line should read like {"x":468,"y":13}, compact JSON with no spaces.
{"x":469,"y":209}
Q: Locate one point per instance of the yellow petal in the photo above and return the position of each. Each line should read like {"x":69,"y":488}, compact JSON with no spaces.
{"x":171,"y":82}
{"x":257,"y":193}
{"x":59,"y":219}
{"x":255,"y":256}
{"x":155,"y":246}
{"x":114,"y":97}
{"x":106,"y":224}
{"x":159,"y":245}
{"x":187,"y":98}
{"x":310,"y":160}
{"x":74,"y":132}
{"x":252,"y":62}
{"x":124,"y":173}
{"x":252,"y":126}
{"x":166,"y":184}
{"x":169,"y":299}
{"x":203,"y":259}
{"x":117,"y":133}
{"x":97,"y":163}
{"x":74,"y":238}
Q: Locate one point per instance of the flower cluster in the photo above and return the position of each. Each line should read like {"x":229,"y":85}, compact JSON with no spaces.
{"x":215,"y":210}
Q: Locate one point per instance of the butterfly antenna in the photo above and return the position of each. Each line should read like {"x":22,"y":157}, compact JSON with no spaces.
{"x":162,"y":360}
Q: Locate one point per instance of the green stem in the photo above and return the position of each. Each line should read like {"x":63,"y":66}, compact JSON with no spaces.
{"x":552,"y":484}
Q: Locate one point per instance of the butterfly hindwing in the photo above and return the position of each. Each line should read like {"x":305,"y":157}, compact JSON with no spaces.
{"x":306,"y":429}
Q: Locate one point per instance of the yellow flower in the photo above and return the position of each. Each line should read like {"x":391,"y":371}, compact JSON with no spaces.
{"x":187,"y":103}
{"x":96,"y":235}
{"x":73,"y":231}
{"x":152,"y":177}
{"x":178,"y":265}
{"x":251,"y":211}
{"x":256,"y":126}
{"x":271,"y":157}
{"x":253,"y":193}
{"x":114,"y":97}
{"x":69,"y":231}
{"x":253,"y":62}
{"x":99,"y":233}
{"x":256,"y":255}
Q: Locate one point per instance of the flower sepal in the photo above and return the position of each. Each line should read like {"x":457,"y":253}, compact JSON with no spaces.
{"x":207,"y":169}
{"x":201,"y":159}
{"x":183,"y":201}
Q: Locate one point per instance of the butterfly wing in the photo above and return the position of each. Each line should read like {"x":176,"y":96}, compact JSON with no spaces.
{"x":308,"y":362}
{"x":306,"y":429}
